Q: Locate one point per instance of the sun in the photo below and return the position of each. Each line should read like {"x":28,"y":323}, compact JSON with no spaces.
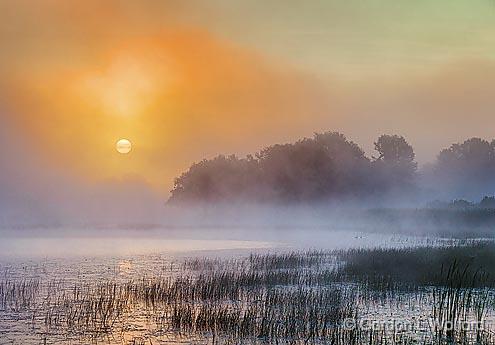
{"x":123,"y":146}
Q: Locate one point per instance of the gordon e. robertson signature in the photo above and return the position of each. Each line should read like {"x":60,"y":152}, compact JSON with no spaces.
{"x":422,"y":324}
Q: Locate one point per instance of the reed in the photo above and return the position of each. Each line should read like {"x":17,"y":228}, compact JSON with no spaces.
{"x":291,"y":298}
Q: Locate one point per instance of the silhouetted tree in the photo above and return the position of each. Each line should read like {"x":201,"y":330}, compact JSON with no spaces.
{"x":472,"y":156}
{"x":467,"y":169}
{"x":221,"y":178}
{"x":310,"y":169}
{"x":327,"y":166}
{"x":487,"y":202}
{"x":395,"y":164}
{"x":352,"y":169}
{"x":394,"y":150}
{"x":299,"y":171}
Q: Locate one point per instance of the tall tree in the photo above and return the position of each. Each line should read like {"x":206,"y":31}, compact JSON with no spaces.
{"x":296,"y":172}
{"x":467,"y":169}
{"x":395,"y":162}
{"x":352,"y":169}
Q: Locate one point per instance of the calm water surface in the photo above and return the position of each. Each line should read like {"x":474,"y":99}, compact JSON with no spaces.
{"x":87,"y":260}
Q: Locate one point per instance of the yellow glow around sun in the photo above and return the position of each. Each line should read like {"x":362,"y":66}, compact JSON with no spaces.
{"x":124,"y":89}
{"x":123,"y":146}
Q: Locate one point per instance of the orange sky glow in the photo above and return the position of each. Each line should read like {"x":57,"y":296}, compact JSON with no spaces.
{"x":184,"y":81}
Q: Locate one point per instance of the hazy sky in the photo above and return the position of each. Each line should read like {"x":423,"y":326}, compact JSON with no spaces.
{"x":184,"y":80}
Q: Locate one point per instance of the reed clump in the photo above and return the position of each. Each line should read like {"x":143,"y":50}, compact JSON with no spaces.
{"x":291,"y":298}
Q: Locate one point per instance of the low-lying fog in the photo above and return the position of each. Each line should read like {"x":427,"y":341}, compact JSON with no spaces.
{"x":241,"y":228}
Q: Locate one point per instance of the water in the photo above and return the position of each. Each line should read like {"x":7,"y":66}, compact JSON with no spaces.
{"x":60,"y":263}
{"x":68,"y":247}
{"x":115,"y":243}
{"x":69,"y":262}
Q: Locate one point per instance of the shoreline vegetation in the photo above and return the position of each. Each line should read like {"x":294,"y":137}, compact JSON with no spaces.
{"x":439,"y":219}
{"x":331,"y":168}
{"x":304,"y":297}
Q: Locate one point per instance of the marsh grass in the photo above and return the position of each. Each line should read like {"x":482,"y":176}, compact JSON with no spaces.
{"x":275,"y":298}
{"x":421,"y":266}
{"x":18,"y":295}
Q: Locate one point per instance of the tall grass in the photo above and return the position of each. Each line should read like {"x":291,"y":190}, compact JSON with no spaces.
{"x":295,"y":298}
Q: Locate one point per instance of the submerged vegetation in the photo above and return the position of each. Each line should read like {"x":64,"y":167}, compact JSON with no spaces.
{"x":317,"y":297}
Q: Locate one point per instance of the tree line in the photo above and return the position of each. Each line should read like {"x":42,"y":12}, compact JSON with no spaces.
{"x":329,"y":166}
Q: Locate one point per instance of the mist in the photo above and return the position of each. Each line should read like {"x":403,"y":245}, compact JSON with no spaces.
{"x":37,"y":193}
{"x":324,"y":183}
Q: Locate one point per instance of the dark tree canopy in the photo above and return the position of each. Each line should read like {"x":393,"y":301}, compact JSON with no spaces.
{"x":467,"y":168}
{"x":217,"y":179}
{"x":395,"y":150}
{"x":352,"y":168}
{"x":473,"y":155}
{"x":296,"y":171}
{"x":487,"y":202}
{"x":328,"y":166}
{"x":324,"y":167}
{"x":395,"y":162}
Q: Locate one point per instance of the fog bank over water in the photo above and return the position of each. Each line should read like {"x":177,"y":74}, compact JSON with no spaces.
{"x":305,"y":226}
{"x":325,"y":182}
{"x":135,"y":243}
